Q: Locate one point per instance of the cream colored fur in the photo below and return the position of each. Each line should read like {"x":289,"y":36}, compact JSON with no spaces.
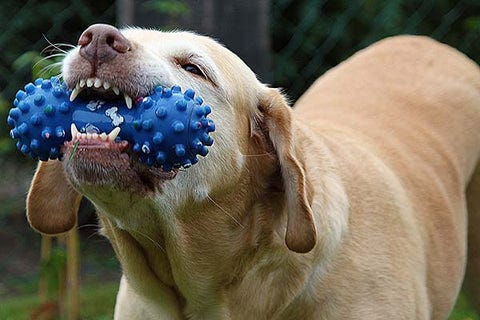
{"x":351,"y":206}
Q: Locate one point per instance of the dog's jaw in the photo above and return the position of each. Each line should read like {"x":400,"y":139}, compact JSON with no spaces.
{"x":108,"y":164}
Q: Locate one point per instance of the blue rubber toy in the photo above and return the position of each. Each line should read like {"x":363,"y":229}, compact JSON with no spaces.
{"x":168,"y":128}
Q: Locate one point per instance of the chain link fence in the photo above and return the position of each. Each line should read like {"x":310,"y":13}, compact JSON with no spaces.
{"x":311,"y":36}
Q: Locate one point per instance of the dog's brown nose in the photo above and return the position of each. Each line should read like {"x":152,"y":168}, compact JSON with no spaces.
{"x":101,"y":43}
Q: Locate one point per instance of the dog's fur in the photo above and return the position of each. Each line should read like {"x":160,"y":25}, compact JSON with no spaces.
{"x":352,"y":206}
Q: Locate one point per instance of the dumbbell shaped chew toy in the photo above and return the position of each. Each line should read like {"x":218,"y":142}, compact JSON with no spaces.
{"x":168,"y":128}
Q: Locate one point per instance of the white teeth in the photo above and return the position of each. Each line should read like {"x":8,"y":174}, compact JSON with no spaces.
{"x":75,"y":93}
{"x":116,"y":90}
{"x":89,"y":82}
{"x":73,"y":130}
{"x":76,"y":135}
{"x":98,"y":83}
{"x":106,"y":85}
{"x":114,"y":133}
{"x":128,"y":100}
{"x":82,"y":83}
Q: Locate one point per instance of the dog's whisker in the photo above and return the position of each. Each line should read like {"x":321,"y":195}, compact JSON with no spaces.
{"x":49,"y":57}
{"x":257,"y":155}
{"x":225,"y":211}
{"x":50,"y":67}
{"x":92,"y":235}
{"x":57,"y":46}
{"x":87,"y":226}
{"x":148,"y":238}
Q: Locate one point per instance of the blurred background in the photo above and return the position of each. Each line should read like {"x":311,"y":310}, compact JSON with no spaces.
{"x":288,"y":43}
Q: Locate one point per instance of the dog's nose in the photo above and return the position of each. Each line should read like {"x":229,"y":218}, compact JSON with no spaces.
{"x":101,"y":43}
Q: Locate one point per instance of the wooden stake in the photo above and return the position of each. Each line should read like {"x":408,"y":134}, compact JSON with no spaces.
{"x":45,"y":252}
{"x":73,"y":282}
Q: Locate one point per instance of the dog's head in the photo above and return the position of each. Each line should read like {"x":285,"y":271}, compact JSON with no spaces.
{"x":254,"y":141}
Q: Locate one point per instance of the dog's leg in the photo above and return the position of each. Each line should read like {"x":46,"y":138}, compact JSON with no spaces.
{"x":472,"y":278}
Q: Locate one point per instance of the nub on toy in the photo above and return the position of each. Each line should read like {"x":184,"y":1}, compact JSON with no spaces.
{"x":169,"y":128}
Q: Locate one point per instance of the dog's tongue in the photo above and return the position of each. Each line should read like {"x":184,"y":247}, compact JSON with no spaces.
{"x":168,"y":128}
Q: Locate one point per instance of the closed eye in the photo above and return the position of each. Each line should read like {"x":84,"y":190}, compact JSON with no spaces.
{"x":191,"y":68}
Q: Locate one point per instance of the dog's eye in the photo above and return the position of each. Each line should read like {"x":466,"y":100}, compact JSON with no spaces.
{"x":193,"y":69}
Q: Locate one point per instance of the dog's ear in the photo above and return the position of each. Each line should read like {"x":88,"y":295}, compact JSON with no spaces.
{"x":52,"y":203}
{"x":276,"y":118}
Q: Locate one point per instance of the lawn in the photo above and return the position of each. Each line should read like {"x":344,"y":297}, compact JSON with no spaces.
{"x":97,"y":303}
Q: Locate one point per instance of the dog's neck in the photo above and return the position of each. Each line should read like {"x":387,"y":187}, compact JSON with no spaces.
{"x":212,"y":246}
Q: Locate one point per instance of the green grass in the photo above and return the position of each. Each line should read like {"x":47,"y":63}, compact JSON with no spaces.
{"x":463,"y":310}
{"x":97,"y":303}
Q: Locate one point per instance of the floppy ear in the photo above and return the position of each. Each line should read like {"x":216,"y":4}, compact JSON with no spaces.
{"x":301,"y":234}
{"x":52,"y":203}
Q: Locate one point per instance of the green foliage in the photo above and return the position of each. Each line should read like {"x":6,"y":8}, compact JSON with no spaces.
{"x":311,"y":36}
{"x":40,"y":66}
{"x":173,"y":8}
{"x":7,"y":145}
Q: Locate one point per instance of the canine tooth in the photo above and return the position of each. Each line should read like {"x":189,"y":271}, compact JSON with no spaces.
{"x":106,"y":85}
{"x":79,"y":135}
{"x":98,"y":83}
{"x":94,"y":135}
{"x":75,"y":93}
{"x":89,"y":135}
{"x":89,"y":82}
{"x":116,"y":90}
{"x":103,"y":136}
{"x":73,"y":130}
{"x":114,"y":133}
{"x":128,"y":100}
{"x":82,"y":83}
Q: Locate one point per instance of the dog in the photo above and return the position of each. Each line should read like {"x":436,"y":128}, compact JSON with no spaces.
{"x":353,"y":205}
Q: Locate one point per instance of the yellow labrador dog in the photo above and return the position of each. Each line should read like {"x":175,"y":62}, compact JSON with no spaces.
{"x":351,"y":206}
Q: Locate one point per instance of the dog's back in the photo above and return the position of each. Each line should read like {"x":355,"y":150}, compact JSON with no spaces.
{"x":414,"y":104}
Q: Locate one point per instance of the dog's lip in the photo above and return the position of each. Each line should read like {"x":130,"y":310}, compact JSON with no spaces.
{"x":97,"y":144}
{"x":122,"y":151}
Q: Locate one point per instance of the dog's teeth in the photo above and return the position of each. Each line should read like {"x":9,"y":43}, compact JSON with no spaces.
{"x":116,"y":90}
{"x":103,"y":136}
{"x":82,"y":83}
{"x":79,"y":135}
{"x":106,"y":85}
{"x":128,"y":100}
{"x":73,"y":130}
{"x":84,"y":136}
{"x":89,"y":82}
{"x":113,"y":134}
{"x":75,"y":93}
{"x":94,"y":135}
{"x":89,"y":135}
{"x":98,"y":83}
